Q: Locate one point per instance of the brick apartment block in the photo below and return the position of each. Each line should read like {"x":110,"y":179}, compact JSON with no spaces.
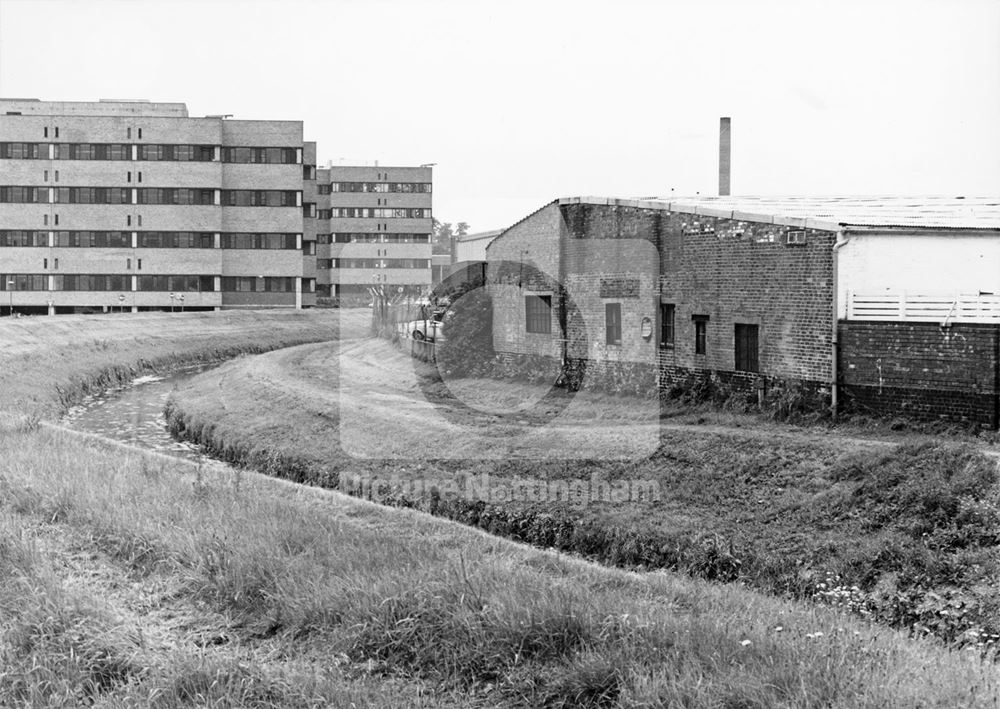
{"x":133,"y":205}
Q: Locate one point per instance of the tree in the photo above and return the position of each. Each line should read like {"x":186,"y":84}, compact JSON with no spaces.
{"x":461,"y":229}
{"x":442,"y":237}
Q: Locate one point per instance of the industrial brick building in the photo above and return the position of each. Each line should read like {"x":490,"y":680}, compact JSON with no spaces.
{"x":374,"y":231}
{"x":472,"y":247}
{"x":880,"y":305}
{"x":133,"y":205}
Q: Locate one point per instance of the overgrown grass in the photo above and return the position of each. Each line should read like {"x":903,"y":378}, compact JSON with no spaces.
{"x":904,"y":535}
{"x":327,"y":601}
{"x":49,"y":363}
{"x":395,"y":594}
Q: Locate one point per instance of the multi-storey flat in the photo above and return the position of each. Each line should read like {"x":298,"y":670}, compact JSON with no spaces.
{"x":135,"y":205}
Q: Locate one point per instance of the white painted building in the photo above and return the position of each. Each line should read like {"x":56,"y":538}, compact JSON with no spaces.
{"x":897,"y":258}
{"x":472,"y":247}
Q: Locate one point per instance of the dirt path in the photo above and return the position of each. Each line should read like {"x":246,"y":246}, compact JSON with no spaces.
{"x":374,"y":390}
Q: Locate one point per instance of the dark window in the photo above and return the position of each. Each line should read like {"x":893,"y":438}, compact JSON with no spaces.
{"x":666,"y":324}
{"x":20,"y":281}
{"x":190,"y":284}
{"x":239,"y":283}
{"x":538,"y":313}
{"x":20,"y":195}
{"x":24,"y":238}
{"x":88,"y":282}
{"x":613,"y":323}
{"x":259,"y":241}
{"x":176,"y":240}
{"x":700,"y":333}
{"x":746,"y":348}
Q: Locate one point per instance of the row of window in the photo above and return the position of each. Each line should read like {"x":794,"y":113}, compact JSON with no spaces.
{"x":148,"y":239}
{"x":325,"y":263}
{"x":259,"y":241}
{"x":375,"y":213}
{"x":538,"y":319}
{"x":264,"y":285}
{"x":181,"y":283}
{"x":260,"y":198}
{"x":280,"y":156}
{"x":181,"y":153}
{"x":401,"y":187}
{"x":147,"y":195}
{"x":369,"y":238}
{"x":153,"y":152}
{"x":102,"y":282}
{"x":175,"y":195}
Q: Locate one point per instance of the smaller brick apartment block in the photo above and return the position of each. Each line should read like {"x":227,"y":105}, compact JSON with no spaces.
{"x":374,"y":231}
{"x":887,"y":304}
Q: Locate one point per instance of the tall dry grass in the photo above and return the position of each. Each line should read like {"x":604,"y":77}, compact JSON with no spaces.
{"x":392,"y":593}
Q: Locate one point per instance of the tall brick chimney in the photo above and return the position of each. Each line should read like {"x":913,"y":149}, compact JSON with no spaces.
{"x":724,"y":150}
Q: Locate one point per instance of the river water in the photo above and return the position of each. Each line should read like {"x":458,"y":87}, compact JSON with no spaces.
{"x":134,"y":413}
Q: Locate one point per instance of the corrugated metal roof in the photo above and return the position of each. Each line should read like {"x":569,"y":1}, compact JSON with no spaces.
{"x":830,"y":213}
{"x":833,"y":212}
{"x":479,"y":235}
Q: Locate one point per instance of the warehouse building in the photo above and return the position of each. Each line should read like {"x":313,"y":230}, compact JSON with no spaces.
{"x":881,"y":304}
{"x":472,"y":247}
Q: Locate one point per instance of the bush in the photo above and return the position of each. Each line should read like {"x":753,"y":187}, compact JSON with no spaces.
{"x":466,"y":348}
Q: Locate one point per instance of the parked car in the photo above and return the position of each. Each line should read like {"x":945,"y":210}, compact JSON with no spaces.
{"x":429,"y":329}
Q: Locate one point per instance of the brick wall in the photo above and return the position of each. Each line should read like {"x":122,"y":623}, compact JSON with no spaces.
{"x":729,"y":270}
{"x":524,"y":261}
{"x":743,"y":272}
{"x":920,"y":370}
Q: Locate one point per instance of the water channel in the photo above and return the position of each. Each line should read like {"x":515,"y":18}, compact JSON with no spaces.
{"x":134,"y":413}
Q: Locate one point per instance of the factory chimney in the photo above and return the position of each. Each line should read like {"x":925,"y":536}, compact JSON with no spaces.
{"x":724,"y":154}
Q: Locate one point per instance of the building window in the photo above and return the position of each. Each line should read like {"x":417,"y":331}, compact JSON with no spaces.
{"x":274,"y":156}
{"x":700,"y":333}
{"x":538,"y":314}
{"x":190,"y":284}
{"x":613,"y":323}
{"x":667,"y":312}
{"x":259,"y":241}
{"x":746,"y":348}
{"x":24,"y":238}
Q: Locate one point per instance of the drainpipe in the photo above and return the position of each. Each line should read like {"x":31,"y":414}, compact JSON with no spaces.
{"x":842,"y":239}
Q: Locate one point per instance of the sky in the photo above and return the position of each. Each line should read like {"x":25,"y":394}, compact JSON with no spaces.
{"x":518,"y":103}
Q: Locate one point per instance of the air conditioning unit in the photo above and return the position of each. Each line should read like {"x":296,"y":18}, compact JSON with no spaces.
{"x":795,"y":237}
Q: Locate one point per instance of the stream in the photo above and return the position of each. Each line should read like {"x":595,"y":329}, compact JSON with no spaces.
{"x":134,"y":413}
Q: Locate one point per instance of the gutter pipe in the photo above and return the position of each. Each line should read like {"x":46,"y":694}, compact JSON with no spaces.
{"x":842,"y":238}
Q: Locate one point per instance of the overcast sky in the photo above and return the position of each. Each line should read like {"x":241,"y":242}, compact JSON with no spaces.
{"x":518,"y":103}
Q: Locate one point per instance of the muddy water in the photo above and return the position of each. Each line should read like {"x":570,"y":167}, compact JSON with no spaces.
{"x":134,"y":414}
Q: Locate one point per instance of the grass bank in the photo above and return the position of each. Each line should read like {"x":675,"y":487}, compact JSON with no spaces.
{"x":50,"y":363}
{"x":316,"y":599}
{"x":906,"y":535}
{"x":132,"y":580}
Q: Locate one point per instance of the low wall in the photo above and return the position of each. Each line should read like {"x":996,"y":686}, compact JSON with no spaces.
{"x":921,"y":370}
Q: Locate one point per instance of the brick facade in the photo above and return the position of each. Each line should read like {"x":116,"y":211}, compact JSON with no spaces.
{"x":730,"y":271}
{"x":744,"y":272}
{"x":921,"y":370}
{"x":290,"y":270}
